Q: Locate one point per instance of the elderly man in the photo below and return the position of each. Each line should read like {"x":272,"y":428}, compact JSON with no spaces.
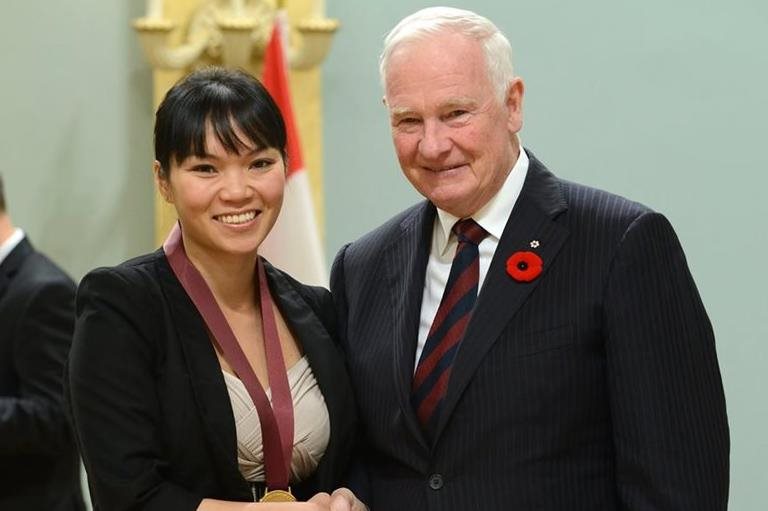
{"x":517,"y":341}
{"x":39,"y":467}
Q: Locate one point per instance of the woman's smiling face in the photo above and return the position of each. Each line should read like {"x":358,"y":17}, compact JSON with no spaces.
{"x":226,"y":202}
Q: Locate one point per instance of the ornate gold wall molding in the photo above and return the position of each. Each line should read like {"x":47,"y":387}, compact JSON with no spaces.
{"x":178,"y":36}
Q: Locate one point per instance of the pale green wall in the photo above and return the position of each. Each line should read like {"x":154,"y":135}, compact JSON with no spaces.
{"x":75,"y":129}
{"x":660,"y":101}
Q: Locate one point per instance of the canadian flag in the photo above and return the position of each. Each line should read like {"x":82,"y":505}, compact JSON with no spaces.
{"x":294,"y":243}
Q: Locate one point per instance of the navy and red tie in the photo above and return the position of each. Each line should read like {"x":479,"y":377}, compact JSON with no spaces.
{"x":434,"y":368}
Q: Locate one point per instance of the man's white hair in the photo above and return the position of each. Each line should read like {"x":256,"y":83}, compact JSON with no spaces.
{"x":448,"y":20}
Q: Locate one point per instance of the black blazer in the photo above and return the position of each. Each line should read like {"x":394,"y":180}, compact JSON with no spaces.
{"x":148,"y":399}
{"x":594,"y":387}
{"x":39,"y":467}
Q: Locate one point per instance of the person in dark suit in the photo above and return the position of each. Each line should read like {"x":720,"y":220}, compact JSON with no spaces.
{"x":39,"y":466}
{"x":173,"y":350}
{"x":517,"y":341}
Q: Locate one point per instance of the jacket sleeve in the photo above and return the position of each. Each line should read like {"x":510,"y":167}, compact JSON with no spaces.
{"x":338,"y":292}
{"x":34,"y":421}
{"x":668,"y":408}
{"x":357,"y":478}
{"x":112,"y":397}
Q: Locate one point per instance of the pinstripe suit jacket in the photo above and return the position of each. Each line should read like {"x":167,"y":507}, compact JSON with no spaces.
{"x":594,"y":387}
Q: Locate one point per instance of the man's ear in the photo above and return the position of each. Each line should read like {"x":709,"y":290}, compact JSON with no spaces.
{"x":514,"y":103}
{"x":161,"y":181}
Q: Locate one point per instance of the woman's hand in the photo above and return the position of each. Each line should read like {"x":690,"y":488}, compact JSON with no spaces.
{"x":341,"y":499}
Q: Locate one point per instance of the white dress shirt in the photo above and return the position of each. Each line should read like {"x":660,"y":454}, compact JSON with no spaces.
{"x":493,"y":218}
{"x":8,"y":245}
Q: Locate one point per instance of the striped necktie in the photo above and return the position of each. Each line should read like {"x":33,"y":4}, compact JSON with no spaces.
{"x":434,"y":369}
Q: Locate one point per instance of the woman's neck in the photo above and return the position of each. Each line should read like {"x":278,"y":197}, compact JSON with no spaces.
{"x":231,"y":277}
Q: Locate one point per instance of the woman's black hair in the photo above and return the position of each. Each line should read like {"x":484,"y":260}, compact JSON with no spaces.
{"x":228,"y":100}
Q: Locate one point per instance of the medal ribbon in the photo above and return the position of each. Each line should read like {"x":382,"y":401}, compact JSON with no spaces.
{"x":276,"y":420}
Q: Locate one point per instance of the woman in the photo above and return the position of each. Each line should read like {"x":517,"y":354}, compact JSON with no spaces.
{"x":173,"y":351}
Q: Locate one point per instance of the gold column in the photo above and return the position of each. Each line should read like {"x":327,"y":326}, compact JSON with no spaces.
{"x":181,"y":35}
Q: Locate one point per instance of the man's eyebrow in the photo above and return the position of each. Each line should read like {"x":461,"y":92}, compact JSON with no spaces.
{"x":450,"y":104}
{"x":458,"y":103}
{"x":400,"y":111}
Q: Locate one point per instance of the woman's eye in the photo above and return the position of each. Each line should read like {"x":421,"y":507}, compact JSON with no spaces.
{"x":204,"y":169}
{"x":262,"y":163}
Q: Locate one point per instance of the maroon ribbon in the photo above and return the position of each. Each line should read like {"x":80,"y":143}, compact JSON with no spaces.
{"x":276,"y":419}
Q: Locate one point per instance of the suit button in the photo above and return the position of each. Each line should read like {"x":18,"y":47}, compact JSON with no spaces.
{"x":435,"y":481}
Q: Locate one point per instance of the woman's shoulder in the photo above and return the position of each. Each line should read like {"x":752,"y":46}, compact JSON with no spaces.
{"x":120,"y":309}
{"x":131,"y":281}
{"x":133,"y":270}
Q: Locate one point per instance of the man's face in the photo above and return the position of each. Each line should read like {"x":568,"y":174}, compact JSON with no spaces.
{"x":455,"y":139}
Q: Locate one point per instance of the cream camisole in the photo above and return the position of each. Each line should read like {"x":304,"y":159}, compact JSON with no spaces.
{"x":311,"y":424}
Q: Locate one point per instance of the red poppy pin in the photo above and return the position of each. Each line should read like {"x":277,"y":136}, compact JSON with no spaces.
{"x":524,"y":266}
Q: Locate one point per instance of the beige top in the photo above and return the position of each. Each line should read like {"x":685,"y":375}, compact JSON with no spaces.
{"x":312,"y":426}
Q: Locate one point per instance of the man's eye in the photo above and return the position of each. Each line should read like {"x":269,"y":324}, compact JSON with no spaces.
{"x":456,"y":113}
{"x":407,"y":121}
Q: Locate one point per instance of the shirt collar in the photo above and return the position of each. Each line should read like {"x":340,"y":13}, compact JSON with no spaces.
{"x":8,"y":245}
{"x":494,"y":215}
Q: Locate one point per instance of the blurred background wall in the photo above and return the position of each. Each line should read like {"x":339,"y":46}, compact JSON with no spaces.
{"x":663,"y":102}
{"x":76,"y":129}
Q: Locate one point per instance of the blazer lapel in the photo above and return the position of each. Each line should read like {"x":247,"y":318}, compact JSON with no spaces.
{"x":205,"y":378}
{"x":302,"y":320}
{"x":500,"y":298}
{"x":406,"y":266}
{"x":326,"y":361}
{"x":310,"y":333}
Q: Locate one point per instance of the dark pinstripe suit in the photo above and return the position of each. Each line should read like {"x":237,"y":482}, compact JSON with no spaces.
{"x":594,"y":387}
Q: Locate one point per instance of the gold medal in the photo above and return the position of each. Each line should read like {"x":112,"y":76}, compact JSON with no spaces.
{"x":278,"y":496}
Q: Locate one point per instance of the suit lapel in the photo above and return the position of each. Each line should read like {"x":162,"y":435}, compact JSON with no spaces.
{"x":205,"y":377}
{"x":406,"y":265}
{"x":11,"y":264}
{"x":3,"y":284}
{"x":501,"y":296}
